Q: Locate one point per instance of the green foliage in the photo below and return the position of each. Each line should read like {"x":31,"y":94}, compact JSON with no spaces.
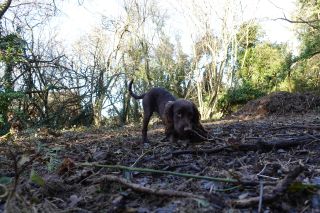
{"x":309,"y":32}
{"x":234,"y":97}
{"x":267,"y":67}
{"x":261,"y":66}
{"x":171,"y":67}
{"x":303,"y":187}
{"x":249,"y":34}
{"x":54,"y":162}
{"x":4,"y":180}
{"x":51,"y":154}
{"x":264,"y":66}
{"x":305,"y":72}
{"x":167,"y":66}
{"x":201,"y":202}
{"x":5,"y":100}
{"x":2,"y":122}
{"x":37,"y":179}
{"x":11,"y":48}
{"x":305,"y":75}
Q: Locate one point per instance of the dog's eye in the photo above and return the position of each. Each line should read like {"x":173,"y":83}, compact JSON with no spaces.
{"x":179,"y":114}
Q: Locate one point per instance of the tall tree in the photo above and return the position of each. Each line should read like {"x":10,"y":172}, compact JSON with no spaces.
{"x":304,"y":72}
{"x":214,"y":48}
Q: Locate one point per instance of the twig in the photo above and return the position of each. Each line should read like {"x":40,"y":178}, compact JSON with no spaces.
{"x":268,"y":177}
{"x":208,"y":138}
{"x":260,"y":175}
{"x":260,"y":195}
{"x":315,"y":138}
{"x":279,"y":189}
{"x":181,"y":186}
{"x":90,"y":176}
{"x":145,"y":170}
{"x":295,"y":127}
{"x":148,"y":151}
{"x":228,"y":189}
{"x":262,"y":171}
{"x":140,"y":157}
{"x":3,"y":190}
{"x":138,"y":188}
{"x":207,"y":151}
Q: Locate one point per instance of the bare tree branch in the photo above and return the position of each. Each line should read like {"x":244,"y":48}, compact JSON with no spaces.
{"x":301,"y":21}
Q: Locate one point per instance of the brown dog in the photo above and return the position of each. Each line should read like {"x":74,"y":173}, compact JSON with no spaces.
{"x":181,"y":117}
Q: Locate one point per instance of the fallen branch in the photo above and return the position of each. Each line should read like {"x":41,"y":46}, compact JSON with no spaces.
{"x":287,"y":143}
{"x":145,"y":170}
{"x":207,"y":151}
{"x":279,"y":190}
{"x":260,"y":145}
{"x":142,"y":189}
{"x":314,"y":127}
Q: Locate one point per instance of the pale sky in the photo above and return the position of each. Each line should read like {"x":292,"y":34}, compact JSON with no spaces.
{"x":78,"y":19}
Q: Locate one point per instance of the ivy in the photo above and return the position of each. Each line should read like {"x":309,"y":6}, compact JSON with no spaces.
{"x":5,"y":100}
{"x":11,"y":48}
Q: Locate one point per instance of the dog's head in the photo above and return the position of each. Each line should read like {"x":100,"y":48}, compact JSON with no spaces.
{"x":181,"y":116}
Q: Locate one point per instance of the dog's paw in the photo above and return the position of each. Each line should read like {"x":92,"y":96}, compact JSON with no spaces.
{"x":146,"y":141}
{"x":184,"y":143}
{"x":146,"y":145}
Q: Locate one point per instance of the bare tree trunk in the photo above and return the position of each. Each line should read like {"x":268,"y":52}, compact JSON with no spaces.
{"x":98,"y":105}
{"x":145,"y":48}
{"x":4,"y":7}
{"x":97,"y":112}
{"x":198,"y":83}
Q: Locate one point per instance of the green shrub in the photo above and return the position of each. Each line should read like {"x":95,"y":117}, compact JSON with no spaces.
{"x":235,"y":97}
{"x":5,"y":100}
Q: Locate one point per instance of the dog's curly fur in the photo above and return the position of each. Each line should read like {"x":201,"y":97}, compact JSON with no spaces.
{"x":181,"y":117}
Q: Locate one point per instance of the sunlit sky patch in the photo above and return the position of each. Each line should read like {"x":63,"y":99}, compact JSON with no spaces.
{"x":77,"y":20}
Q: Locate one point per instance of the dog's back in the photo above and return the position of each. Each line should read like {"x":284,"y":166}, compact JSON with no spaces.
{"x":156,"y":99}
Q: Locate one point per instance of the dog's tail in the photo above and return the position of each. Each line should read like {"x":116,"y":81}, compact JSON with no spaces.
{"x":135,"y":96}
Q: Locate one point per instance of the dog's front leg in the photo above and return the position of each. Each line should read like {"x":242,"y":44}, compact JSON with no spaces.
{"x":146,"y":119}
{"x":172,"y":138}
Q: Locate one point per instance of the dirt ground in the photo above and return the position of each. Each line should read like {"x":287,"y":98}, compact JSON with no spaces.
{"x":266,"y":160}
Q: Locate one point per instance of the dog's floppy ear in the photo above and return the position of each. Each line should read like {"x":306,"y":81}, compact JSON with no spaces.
{"x":196,"y":114}
{"x":197,"y":125}
{"x":168,"y":112}
{"x":168,"y":117}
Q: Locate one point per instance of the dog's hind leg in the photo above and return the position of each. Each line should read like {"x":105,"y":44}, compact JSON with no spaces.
{"x":146,"y":118}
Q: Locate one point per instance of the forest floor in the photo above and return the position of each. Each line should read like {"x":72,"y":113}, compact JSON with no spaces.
{"x":266,"y":156}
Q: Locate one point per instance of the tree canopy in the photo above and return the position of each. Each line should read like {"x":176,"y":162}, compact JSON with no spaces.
{"x":230,"y":63}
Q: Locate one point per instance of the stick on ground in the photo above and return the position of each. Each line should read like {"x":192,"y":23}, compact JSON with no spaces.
{"x":279,"y":190}
{"x":138,"y":188}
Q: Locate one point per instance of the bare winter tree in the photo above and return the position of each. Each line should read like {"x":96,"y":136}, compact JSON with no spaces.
{"x":20,"y":24}
{"x":214,"y":28}
{"x":96,"y":59}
